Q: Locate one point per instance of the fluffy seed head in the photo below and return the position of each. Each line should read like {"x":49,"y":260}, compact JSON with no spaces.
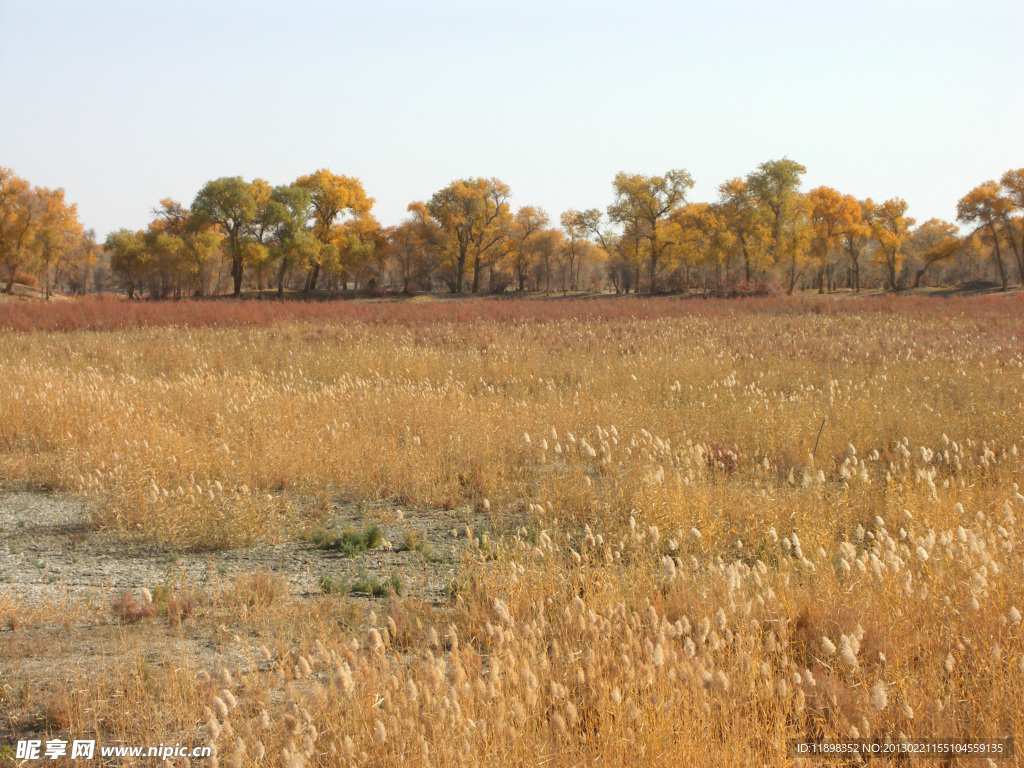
{"x":658,"y":657}
{"x":343,"y":678}
{"x":374,"y":642}
{"x":571,"y":715}
{"x":380,"y":735}
{"x":220,"y":707}
{"x":501,"y":608}
{"x":879,"y":698}
{"x":558,"y":724}
{"x":846,"y":652}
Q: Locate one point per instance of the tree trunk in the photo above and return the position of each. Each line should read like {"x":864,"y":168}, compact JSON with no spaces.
{"x":654,"y":261}
{"x":460,"y":269}
{"x":746,"y":258}
{"x":236,"y":275}
{"x":998,"y":256}
{"x":477,"y":269}
{"x":1018,"y":253}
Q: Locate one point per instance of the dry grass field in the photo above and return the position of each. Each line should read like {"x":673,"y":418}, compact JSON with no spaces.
{"x":646,"y":531}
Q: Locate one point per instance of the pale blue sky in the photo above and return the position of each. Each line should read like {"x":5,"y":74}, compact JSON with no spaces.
{"x":123,"y":103}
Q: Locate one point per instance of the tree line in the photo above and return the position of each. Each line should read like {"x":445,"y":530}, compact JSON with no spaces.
{"x":318,"y":235}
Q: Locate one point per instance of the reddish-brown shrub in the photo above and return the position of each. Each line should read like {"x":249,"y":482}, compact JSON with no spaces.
{"x":115,"y":313}
{"x":129,"y":610}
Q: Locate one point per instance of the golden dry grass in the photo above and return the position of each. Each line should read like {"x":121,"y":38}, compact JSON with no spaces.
{"x":669,"y":571}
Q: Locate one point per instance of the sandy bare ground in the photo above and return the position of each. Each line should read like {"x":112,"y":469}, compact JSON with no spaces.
{"x":49,"y":552}
{"x":66,"y":574}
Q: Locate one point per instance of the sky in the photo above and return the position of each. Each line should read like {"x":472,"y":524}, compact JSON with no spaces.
{"x":125,"y":103}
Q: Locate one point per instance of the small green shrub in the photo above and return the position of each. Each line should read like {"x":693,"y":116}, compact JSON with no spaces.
{"x":349,"y":542}
{"x":332,"y":587}
{"x":370,"y":585}
{"x":415,"y":541}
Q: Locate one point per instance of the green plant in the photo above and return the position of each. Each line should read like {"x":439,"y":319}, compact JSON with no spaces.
{"x":365,"y":584}
{"x":349,"y":542}
{"x":333,"y":587}
{"x":415,"y":540}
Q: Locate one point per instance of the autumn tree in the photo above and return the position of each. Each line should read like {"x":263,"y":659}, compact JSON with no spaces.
{"x":289,"y":241}
{"x":578,"y":261}
{"x":576,"y":227}
{"x":473,"y":215}
{"x":404,"y":245}
{"x":38,"y":228}
{"x":128,"y":256}
{"x":74,"y":270}
{"x":700,"y":238}
{"x":167,"y":268}
{"x":419,"y":244}
{"x":608,"y":246}
{"x":335,"y":200}
{"x":455,"y":209}
{"x":258,"y":247}
{"x":172,"y":217}
{"x":527,"y":224}
{"x":1012,"y":184}
{"x":202,"y":247}
{"x":890,"y":226}
{"x":230,"y":205}
{"x":931,"y":243}
{"x":987,"y":211}
{"x":58,"y":233}
{"x":548,"y":245}
{"x":181,"y":249}
{"x":20,"y":214}
{"x":749,"y":224}
{"x":361,"y":250}
{"x":855,"y":234}
{"x":794,"y":241}
{"x":645,"y":203}
{"x":625,"y":263}
{"x":831,"y":214}
{"x":775,"y":185}
{"x":491,"y":235}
